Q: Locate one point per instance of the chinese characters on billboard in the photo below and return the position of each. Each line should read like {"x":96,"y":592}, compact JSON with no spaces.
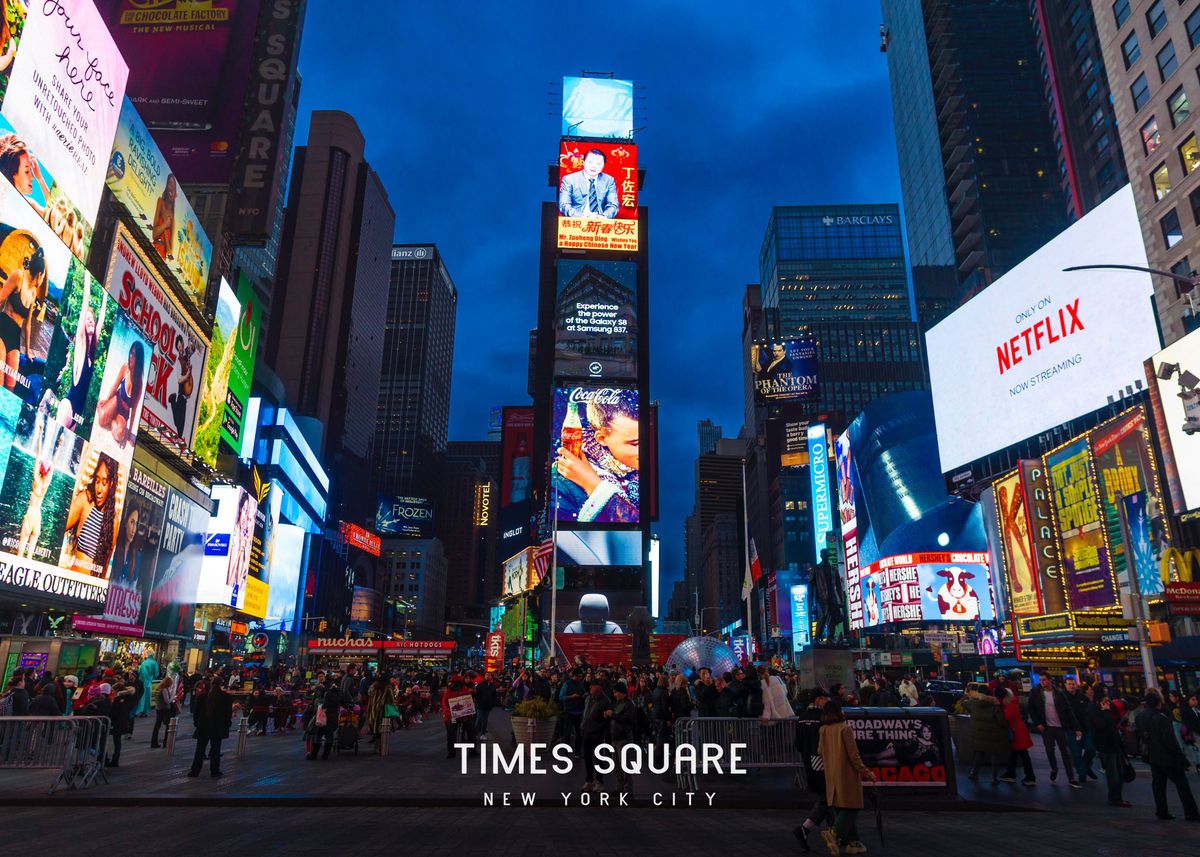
{"x":1087,"y":568}
{"x":784,"y":370}
{"x":595,"y":443}
{"x":596,"y":330}
{"x":597,"y":107}
{"x":598,"y":196}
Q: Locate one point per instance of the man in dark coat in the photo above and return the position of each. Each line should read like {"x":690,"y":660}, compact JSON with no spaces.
{"x":1166,"y":758}
{"x":18,"y":695}
{"x":706,"y":694}
{"x":46,"y":704}
{"x":213,"y":723}
{"x":808,"y":735}
{"x":594,"y":728}
{"x":1053,"y":717}
{"x":622,"y":724}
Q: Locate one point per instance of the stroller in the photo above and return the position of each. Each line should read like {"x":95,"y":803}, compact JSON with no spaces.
{"x":346,"y":738}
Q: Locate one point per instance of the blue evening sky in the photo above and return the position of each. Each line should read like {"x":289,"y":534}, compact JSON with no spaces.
{"x":744,"y":106}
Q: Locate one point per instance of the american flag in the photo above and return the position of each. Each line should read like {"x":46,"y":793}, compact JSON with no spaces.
{"x":541,"y":560}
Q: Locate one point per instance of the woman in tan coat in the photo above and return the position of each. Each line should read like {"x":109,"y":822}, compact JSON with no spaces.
{"x":844,"y":771}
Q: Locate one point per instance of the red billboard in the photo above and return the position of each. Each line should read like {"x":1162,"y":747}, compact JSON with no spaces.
{"x":516,"y":433}
{"x":364,"y":540}
{"x":494,"y":653}
{"x":597,"y":196}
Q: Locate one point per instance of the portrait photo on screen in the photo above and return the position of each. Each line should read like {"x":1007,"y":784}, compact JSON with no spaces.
{"x":598,"y":196}
{"x":595,"y":443}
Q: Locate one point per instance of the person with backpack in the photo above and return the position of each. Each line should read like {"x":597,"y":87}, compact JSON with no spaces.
{"x":808,"y":734}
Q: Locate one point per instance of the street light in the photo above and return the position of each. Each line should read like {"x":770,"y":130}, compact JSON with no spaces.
{"x":1184,"y":284}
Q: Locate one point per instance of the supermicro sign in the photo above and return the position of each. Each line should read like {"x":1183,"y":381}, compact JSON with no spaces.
{"x":818,"y":474}
{"x":1042,"y":346}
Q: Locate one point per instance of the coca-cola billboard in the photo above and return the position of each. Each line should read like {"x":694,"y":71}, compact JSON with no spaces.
{"x":596,"y":461}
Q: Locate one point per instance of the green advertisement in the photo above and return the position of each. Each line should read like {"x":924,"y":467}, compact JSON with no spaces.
{"x":210,"y":425}
{"x":241,"y":369}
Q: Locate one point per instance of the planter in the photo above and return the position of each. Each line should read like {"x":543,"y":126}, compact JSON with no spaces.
{"x":526,"y":730}
{"x":960,"y":731}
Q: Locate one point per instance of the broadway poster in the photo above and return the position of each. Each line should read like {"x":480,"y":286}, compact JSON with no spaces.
{"x":1087,"y":566}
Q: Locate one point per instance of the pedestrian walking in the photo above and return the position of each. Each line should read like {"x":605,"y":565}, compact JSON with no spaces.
{"x":1053,"y":718}
{"x":1166,"y":758}
{"x":594,"y":728}
{"x":1019,"y":740}
{"x":213,"y":722}
{"x":1103,"y":724}
{"x":622,"y":723}
{"x":844,"y":772}
{"x":808,"y":739}
{"x":989,"y":732}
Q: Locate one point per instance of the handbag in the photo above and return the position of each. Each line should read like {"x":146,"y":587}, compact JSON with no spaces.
{"x":322,"y":719}
{"x":391,"y":710}
{"x":1128,"y":772}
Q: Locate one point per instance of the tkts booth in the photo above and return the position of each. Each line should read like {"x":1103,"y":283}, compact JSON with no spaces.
{"x":329,"y":653}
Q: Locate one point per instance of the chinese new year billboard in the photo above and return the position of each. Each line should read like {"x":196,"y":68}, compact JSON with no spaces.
{"x":598,"y":196}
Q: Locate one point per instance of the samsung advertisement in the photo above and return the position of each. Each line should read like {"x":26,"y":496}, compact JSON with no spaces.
{"x":596,"y":330}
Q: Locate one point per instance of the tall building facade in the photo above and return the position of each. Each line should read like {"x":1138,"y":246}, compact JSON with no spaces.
{"x":467,"y":522}
{"x":1083,"y":123}
{"x":326,"y":335}
{"x":836,"y":274}
{"x":708,"y":434}
{"x":978,"y":166}
{"x":414,"y":390}
{"x":1149,"y":49}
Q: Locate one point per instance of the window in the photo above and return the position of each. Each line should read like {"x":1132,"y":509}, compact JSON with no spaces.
{"x":1121,"y":11}
{"x":1160,"y":181}
{"x":1179,"y":107}
{"x":1183,"y":267}
{"x":1085,"y":68}
{"x":1189,"y":154}
{"x":1096,"y":118}
{"x":1172,"y":232}
{"x":1080,"y":41}
{"x":1156,"y":18}
{"x":1130,"y":50}
{"x":1151,"y":138}
{"x":1092,"y":90}
{"x":1106,"y":173}
{"x":1194,"y":199}
{"x":1192,"y":24}
{"x":1167,"y":63}
{"x":1140,"y":92}
{"x":1103,"y":143}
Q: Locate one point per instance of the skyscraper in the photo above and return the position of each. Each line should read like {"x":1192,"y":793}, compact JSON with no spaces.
{"x":414,"y":390}
{"x":326,"y":335}
{"x":977,"y":157}
{"x":709,"y":433}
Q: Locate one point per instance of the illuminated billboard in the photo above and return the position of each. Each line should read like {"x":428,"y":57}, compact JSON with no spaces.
{"x":801,"y":624}
{"x":597,"y":107}
{"x":1177,"y":385}
{"x":1086,"y":558}
{"x":927,"y":587}
{"x":177,"y":572}
{"x":847,"y":515}
{"x":598,"y":196}
{"x":141,"y":181}
{"x":595,"y":444}
{"x":818,"y":476}
{"x":409,"y":517}
{"x":516,"y":433}
{"x":601,"y":600}
{"x":600,"y":547}
{"x":518,"y":573}
{"x":784,"y":370}
{"x":178,"y":348}
{"x":355,"y":536}
{"x":1046,"y":558}
{"x":224,"y":577}
{"x":287,"y":569}
{"x":596,"y":329}
{"x":1016,"y":546}
{"x":1042,"y":346}
{"x":62,"y":95}
{"x":229,"y":370}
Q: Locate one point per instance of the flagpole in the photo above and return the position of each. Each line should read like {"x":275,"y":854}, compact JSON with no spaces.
{"x":553,"y":572}
{"x":746,"y":557}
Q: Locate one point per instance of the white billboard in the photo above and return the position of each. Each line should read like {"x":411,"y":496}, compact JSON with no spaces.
{"x":1041,"y":346}
{"x":1177,"y":373}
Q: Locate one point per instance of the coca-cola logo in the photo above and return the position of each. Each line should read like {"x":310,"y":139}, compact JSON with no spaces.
{"x":601,"y":396}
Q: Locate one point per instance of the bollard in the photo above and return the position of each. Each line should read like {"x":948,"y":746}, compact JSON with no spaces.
{"x":385,"y":733}
{"x":243,"y":730}
{"x":172,"y":729}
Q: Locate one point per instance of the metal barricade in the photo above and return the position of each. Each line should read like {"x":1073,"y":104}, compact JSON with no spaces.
{"x":73,"y":745}
{"x":767,"y":743}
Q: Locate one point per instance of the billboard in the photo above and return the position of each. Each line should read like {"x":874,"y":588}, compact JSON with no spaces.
{"x":189,"y":81}
{"x":588,"y":610}
{"x":927,"y":587}
{"x":1043,"y":346}
{"x":178,"y":348}
{"x":848,"y":517}
{"x":128,"y":597}
{"x":1125,"y":465}
{"x":494,"y":652}
{"x":597,"y":107}
{"x":210,"y":422}
{"x":599,"y":547}
{"x":1086,"y":559}
{"x":598,"y":196}
{"x":286,"y":570}
{"x":410,"y":517}
{"x":801,"y":623}
{"x":784,"y":370}
{"x":355,"y":536}
{"x":818,"y":477}
{"x":227,"y":546}
{"x":1046,"y":558}
{"x":516,"y":448}
{"x":595,"y":444}
{"x":241,"y":363}
{"x":514,"y":528}
{"x":596,"y":327}
{"x":62,"y":95}
{"x":518,"y":573}
{"x":141,"y":181}
{"x":1024,"y":596}
{"x":1177,"y":382}
{"x":177,"y":572}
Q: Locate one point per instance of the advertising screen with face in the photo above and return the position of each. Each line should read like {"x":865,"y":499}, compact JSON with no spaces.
{"x":597,"y":196}
{"x":62,"y":94}
{"x":597,"y":107}
{"x":784,"y":370}
{"x":596,"y":331}
{"x":177,"y":573}
{"x":227,"y":547}
{"x":595,"y":443}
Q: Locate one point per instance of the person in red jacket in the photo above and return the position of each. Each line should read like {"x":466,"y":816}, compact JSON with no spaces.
{"x":455,"y":690}
{"x":1020,"y":740}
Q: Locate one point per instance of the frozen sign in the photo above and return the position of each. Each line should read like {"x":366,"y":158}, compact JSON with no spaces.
{"x":64,"y":94}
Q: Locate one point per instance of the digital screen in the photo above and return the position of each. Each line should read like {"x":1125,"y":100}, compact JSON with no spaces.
{"x":178,"y":349}
{"x":818,"y":473}
{"x":177,"y":573}
{"x":519,"y":573}
{"x":595,"y":448}
{"x":141,"y":181}
{"x":516,"y":440}
{"x":596,"y":330}
{"x":801,"y":624}
{"x":597,"y":107}
{"x":598,"y":196}
{"x":514,"y":528}
{"x":287,"y":566}
{"x":1042,"y":346}
{"x":210,"y":425}
{"x":1177,"y":378}
{"x":66,"y":67}
{"x":599,"y":547}
{"x":929,"y":587}
{"x":1086,"y":558}
{"x":588,"y":611}
{"x":784,"y":370}
{"x":227,"y":547}
{"x":411,"y":517}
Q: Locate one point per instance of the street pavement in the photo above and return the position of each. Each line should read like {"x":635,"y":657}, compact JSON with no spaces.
{"x":364,"y":803}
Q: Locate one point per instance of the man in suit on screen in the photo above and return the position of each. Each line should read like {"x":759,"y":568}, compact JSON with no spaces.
{"x":590,"y":192}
